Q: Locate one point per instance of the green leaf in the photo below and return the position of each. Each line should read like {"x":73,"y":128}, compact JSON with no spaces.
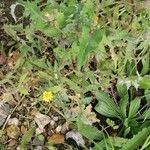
{"x":144,"y":83}
{"x":39,"y":63}
{"x":22,"y":79}
{"x":44,"y":75}
{"x":2,"y":147}
{"x":137,"y":140}
{"x":134,"y":106}
{"x":146,"y":65}
{"x":89,"y":132}
{"x":122,"y":89}
{"x":100,"y":145}
{"x":147,"y":95}
{"x":88,"y":43}
{"x":126,"y":131}
{"x":23,"y":90}
{"x":115,"y":141}
{"x":55,"y":89}
{"x":88,"y":9}
{"x":11,"y":30}
{"x":106,"y":105}
{"x":148,"y":147}
{"x":60,"y":18}
{"x":106,"y":110}
{"x":19,"y":62}
{"x":26,"y":138}
{"x":123,"y":105}
{"x":146,"y":114}
{"x":72,"y":84}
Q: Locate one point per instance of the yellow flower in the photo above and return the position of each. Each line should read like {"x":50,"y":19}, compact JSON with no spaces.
{"x":47,"y":96}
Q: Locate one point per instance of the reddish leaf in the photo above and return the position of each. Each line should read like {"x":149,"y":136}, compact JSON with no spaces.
{"x":57,"y":138}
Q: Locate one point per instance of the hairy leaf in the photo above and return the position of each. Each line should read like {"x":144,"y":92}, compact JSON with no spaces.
{"x":88,"y":43}
{"x":137,"y":140}
{"x":89,"y":132}
{"x":26,"y":138}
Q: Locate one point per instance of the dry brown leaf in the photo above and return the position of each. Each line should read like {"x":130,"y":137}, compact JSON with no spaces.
{"x":13,"y":132}
{"x":12,"y":143}
{"x":3,"y":58}
{"x":88,"y":116}
{"x":14,"y":56}
{"x":1,"y":74}
{"x":57,"y":138}
{"x":114,"y":56}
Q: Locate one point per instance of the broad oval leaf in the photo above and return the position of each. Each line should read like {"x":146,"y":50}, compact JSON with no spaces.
{"x":89,"y":132}
{"x":105,"y":109}
{"x":106,"y":105}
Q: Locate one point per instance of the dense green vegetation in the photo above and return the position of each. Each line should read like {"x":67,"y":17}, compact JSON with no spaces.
{"x":92,"y":58}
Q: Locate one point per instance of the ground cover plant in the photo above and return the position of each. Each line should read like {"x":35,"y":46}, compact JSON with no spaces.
{"x":75,"y":75}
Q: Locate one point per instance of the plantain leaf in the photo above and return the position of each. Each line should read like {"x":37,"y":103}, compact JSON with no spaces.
{"x":106,"y":110}
{"x":146,"y":114}
{"x":123,"y":105}
{"x":134,"y":106}
{"x":147,"y":95}
{"x":137,"y":140}
{"x":146,"y":65}
{"x":122,"y":89}
{"x":106,"y":105}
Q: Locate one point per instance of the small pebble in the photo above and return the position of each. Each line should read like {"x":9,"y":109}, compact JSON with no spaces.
{"x":37,"y":142}
{"x":39,"y":131}
{"x":38,"y":148}
{"x":52,"y":122}
{"x":13,"y":121}
{"x":55,"y":118}
{"x":58,"y":129}
{"x":18,"y":148}
{"x":24,"y":105}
